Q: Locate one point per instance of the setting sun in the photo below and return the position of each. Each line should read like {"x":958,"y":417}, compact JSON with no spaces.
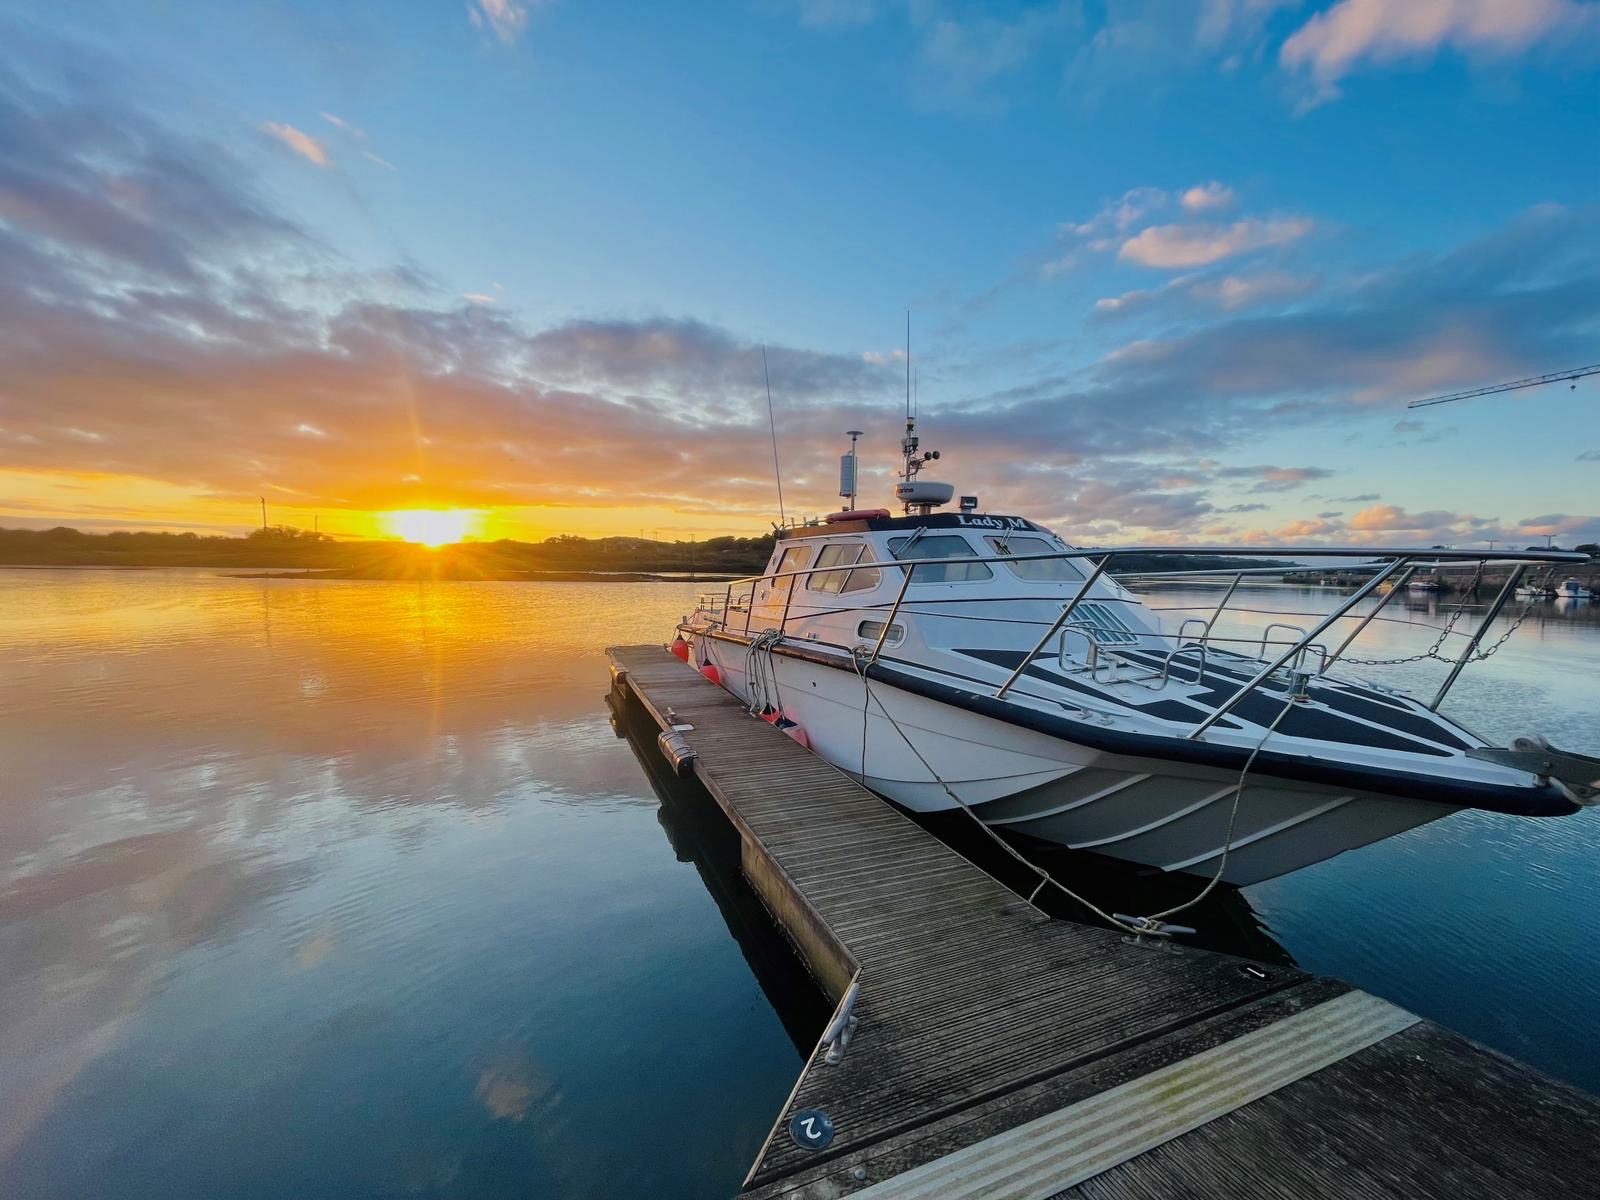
{"x":433,"y":527}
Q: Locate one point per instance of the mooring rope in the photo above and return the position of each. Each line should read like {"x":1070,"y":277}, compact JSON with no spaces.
{"x":1139,"y":926}
{"x":760,"y":673}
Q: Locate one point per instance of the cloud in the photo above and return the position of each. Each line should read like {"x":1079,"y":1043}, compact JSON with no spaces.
{"x":477,"y":298}
{"x":303,"y":144}
{"x":155,"y":298}
{"x":1243,"y":508}
{"x":1275,"y":479}
{"x":1121,"y":214}
{"x":343,"y":126}
{"x":1234,"y":292}
{"x":1334,"y":43}
{"x":961,"y":55}
{"x":1206,"y":197}
{"x":1306,"y":529}
{"x":507,"y":19}
{"x":1229,"y":293}
{"x":1106,"y":228}
{"x":1408,"y":426}
{"x":1235,"y":23}
{"x":1390,"y":518}
{"x":356,"y":138}
{"x":1503,"y":305}
{"x":1589,"y":456}
{"x":1181,"y":246}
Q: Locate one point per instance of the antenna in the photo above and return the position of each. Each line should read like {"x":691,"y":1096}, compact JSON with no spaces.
{"x":847,"y":471}
{"x":907,"y":490}
{"x":1514,"y":386}
{"x":772,"y":422}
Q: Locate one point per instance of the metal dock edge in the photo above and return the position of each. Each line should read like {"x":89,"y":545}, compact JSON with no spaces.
{"x":991,"y":1051}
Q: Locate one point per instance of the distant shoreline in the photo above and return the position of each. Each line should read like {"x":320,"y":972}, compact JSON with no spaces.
{"x":491,"y":577}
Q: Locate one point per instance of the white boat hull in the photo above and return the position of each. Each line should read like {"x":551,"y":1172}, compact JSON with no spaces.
{"x":1157,"y":813}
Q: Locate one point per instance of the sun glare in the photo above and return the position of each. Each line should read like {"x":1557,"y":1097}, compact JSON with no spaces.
{"x":433,"y":527}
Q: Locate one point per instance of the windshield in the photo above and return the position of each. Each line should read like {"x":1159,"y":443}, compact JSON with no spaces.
{"x":1045,"y":569}
{"x":941,"y":546}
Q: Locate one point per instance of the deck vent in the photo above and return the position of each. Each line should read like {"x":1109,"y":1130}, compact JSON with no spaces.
{"x":1109,"y":627}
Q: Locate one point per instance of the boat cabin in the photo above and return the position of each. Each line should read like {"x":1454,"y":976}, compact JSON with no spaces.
{"x":831,"y":582}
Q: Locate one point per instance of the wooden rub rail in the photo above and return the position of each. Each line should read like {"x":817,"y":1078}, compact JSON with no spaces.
{"x":981,"y":1049}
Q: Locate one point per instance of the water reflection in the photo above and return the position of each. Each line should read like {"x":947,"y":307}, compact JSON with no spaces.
{"x":700,"y":833}
{"x":312,"y":888}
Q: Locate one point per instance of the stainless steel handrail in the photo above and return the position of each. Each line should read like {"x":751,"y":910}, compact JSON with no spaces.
{"x":1477,"y":634}
{"x":1369,"y":553}
{"x":1066,"y":612}
{"x":1397,"y":558}
{"x":1256,"y":680}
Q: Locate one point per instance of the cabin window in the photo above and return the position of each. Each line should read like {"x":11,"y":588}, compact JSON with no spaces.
{"x":872,"y":630}
{"x":1049,"y":570}
{"x":794,"y":559}
{"x":776,"y":591}
{"x":862,"y":577}
{"x":843,"y":554}
{"x":941,"y":546}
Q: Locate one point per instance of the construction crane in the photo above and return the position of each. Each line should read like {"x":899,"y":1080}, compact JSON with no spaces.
{"x":1514,"y":386}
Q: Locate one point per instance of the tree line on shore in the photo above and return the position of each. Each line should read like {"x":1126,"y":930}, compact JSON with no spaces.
{"x":285,"y":547}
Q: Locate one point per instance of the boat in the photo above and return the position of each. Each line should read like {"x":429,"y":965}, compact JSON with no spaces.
{"x":975,"y":660}
{"x":1535,"y":591}
{"x":1425,"y":586}
{"x":1571,"y":589}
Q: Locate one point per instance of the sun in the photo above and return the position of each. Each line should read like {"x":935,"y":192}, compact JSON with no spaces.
{"x":433,"y":527}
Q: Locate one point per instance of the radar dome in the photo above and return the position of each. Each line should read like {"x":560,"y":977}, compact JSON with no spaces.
{"x":923,"y":495}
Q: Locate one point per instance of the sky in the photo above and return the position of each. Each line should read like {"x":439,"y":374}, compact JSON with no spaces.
{"x":1173,"y":269}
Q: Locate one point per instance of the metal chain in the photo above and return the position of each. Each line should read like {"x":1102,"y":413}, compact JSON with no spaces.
{"x":1478,"y":656}
{"x":1515,"y":625}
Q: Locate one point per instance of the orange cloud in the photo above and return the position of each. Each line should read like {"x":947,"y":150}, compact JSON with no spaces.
{"x":1181,"y":246}
{"x":303,"y":144}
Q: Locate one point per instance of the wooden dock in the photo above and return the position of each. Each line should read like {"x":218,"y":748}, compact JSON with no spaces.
{"x":998,"y":1053}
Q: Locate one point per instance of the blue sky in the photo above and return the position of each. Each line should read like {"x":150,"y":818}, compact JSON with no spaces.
{"x":1174,"y":269}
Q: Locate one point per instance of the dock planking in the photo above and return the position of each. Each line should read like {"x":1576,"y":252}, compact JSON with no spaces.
{"x":1000,"y":1053}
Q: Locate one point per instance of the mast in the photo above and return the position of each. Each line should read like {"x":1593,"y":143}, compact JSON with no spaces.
{"x":908,"y":444}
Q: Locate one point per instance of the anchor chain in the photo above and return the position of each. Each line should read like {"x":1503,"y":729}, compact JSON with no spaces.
{"x":1449,"y":627}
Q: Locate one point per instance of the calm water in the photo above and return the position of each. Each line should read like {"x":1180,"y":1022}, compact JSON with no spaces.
{"x":315,"y":888}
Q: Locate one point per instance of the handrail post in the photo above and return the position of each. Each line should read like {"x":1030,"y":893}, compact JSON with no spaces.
{"x":1362,"y":593}
{"x":1059,"y":622}
{"x":1477,"y":634}
{"x":1367,"y":620}
{"x":888,"y":621}
{"x":1226,"y":596}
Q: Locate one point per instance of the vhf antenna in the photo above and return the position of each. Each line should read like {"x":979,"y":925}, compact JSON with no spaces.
{"x":908,"y":444}
{"x":772,"y":422}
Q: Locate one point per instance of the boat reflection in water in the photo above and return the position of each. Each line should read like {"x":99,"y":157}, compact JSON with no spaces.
{"x":701,"y":833}
{"x":1223,"y":921}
